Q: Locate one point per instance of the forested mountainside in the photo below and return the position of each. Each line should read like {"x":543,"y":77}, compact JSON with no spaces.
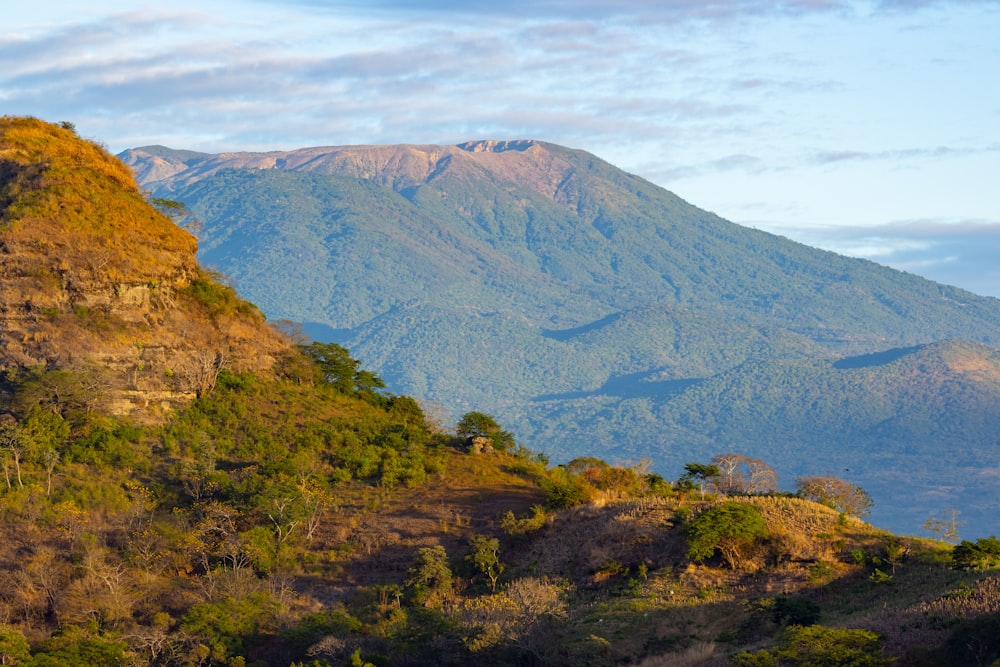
{"x":596,"y":313}
{"x":293,"y":512}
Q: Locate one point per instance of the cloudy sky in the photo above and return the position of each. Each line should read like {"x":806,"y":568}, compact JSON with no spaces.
{"x":869,"y":128}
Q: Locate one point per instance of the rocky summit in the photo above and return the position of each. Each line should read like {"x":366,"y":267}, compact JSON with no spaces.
{"x":96,"y":282}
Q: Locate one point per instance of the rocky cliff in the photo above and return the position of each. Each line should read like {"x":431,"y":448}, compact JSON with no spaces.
{"x":95,"y":281}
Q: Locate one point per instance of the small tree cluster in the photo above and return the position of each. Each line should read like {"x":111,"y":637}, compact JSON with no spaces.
{"x":740,"y":474}
{"x":430,"y":577}
{"x":338,"y":369}
{"x":984,"y":553}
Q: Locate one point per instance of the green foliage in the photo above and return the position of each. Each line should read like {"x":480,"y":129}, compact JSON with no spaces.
{"x":210,"y":290}
{"x":564,"y":489}
{"x":357,"y":661}
{"x":819,"y":646}
{"x":984,"y":553}
{"x":339,"y":370}
{"x":700,"y":473}
{"x":481,"y":425}
{"x":603,"y":476}
{"x":73,"y":647}
{"x":430,"y":577}
{"x":14,"y":648}
{"x":485,"y":556}
{"x":228,"y":624}
{"x":514,"y":525}
{"x":795,"y":611}
{"x":730,"y":528}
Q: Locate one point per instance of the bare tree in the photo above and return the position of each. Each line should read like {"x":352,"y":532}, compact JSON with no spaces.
{"x":836,"y":493}
{"x":740,"y":474}
{"x":13,"y":442}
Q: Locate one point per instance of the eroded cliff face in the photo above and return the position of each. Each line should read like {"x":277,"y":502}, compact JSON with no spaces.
{"x":95,"y":281}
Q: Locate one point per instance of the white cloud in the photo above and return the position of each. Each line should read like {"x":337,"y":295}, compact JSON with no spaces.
{"x":802,"y":111}
{"x":962,"y":253}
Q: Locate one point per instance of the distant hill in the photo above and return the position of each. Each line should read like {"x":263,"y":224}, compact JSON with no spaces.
{"x":593,"y":312}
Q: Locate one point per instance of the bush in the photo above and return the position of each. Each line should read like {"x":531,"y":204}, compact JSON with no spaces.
{"x":730,"y":528}
{"x":564,"y":489}
{"x":984,"y":553}
{"x":819,"y":646}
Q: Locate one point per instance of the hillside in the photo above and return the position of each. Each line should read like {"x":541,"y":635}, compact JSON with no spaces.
{"x":95,"y":282}
{"x":595,"y":313}
{"x":296,"y":514}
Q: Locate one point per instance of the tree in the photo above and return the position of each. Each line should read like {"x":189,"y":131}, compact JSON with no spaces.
{"x":12,"y":440}
{"x":430,"y":577}
{"x":703,"y":472}
{"x":730,"y":528}
{"x":836,"y":493}
{"x":486,"y":557}
{"x":178,"y":212}
{"x":983,"y":553}
{"x":946,"y":528}
{"x":479,"y":424}
{"x":14,"y":648}
{"x":739,"y":474}
{"x":338,"y":369}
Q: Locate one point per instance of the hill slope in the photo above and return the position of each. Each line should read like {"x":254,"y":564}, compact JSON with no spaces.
{"x":588,"y":309}
{"x":93,"y":280}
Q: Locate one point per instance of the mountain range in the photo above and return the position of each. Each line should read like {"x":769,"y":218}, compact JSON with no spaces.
{"x":595,"y":313}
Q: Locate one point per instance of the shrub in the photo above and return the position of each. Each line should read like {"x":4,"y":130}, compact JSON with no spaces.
{"x":819,"y":646}
{"x":564,"y":489}
{"x":730,"y":528}
{"x":983,"y":553}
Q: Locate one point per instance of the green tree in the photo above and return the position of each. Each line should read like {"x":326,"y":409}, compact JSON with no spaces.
{"x":730,"y":528}
{"x":984,"y":553}
{"x":338,"y":369}
{"x":479,"y":424}
{"x":564,"y":489}
{"x":14,"y":648}
{"x":486,"y":557}
{"x":178,"y":212}
{"x":430,"y":577}
{"x":704,"y":473}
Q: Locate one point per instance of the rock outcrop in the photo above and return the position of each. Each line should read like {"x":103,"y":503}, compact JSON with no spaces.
{"x":94,"y":280}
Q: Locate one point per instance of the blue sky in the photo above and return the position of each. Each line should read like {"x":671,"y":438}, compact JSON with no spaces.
{"x":869,"y":128}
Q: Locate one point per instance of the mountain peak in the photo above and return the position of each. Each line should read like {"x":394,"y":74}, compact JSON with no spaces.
{"x":496,"y":146}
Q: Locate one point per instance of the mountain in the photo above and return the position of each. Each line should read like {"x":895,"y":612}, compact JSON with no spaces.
{"x":594,"y":313}
{"x":96,"y":283}
{"x":289,"y":513}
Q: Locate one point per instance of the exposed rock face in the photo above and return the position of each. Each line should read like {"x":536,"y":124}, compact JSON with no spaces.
{"x":94,"y":280}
